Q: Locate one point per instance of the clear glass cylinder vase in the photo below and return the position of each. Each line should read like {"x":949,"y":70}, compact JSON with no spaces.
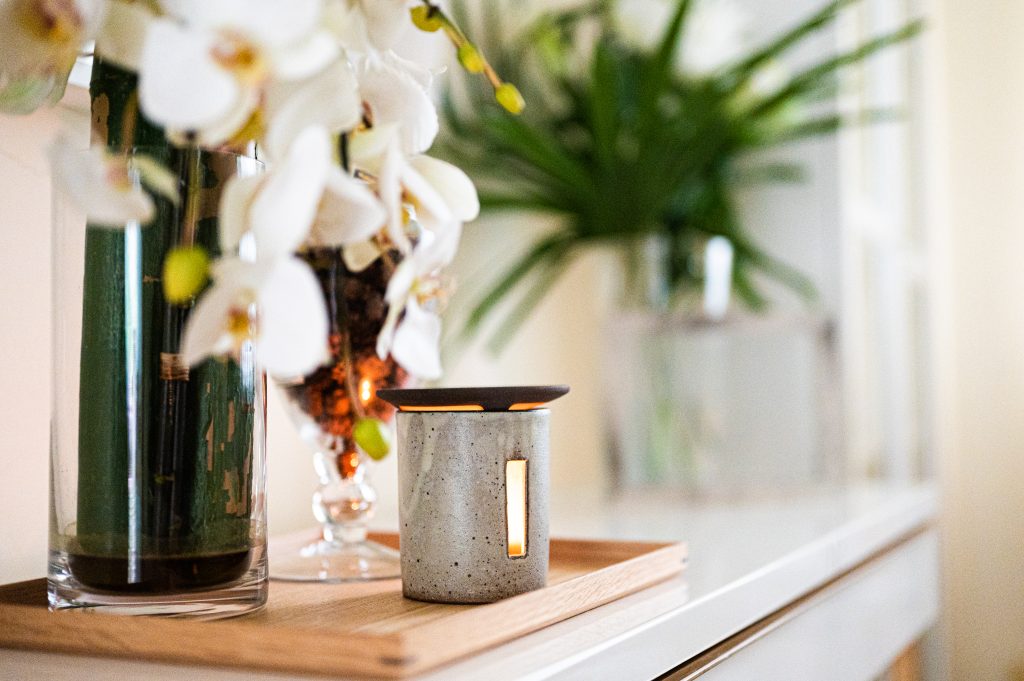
{"x":707,"y":406}
{"x":157,"y":503}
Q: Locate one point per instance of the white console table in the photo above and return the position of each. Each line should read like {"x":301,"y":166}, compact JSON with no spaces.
{"x":827,"y":585}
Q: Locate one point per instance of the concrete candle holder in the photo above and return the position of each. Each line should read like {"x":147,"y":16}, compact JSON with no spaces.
{"x":473,"y":491}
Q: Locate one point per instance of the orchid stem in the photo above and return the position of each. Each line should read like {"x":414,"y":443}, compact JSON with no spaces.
{"x":350,"y":377}
{"x":458,"y":39}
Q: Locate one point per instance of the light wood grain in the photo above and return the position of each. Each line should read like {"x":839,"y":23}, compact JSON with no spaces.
{"x":364,"y":629}
{"x":908,"y":666}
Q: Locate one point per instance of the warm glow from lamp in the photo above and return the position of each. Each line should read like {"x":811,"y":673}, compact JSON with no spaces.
{"x":365,"y":390}
{"x":515,"y":505}
{"x":442,"y":407}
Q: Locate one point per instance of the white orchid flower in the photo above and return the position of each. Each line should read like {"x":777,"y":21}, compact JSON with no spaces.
{"x":421,"y":192}
{"x":395,"y":93}
{"x":412,"y":329}
{"x":349,"y":213}
{"x":278,"y":207}
{"x":329,"y":99}
{"x":108,"y":187}
{"x":122,"y":35}
{"x":276,"y":305}
{"x":368,"y":25}
{"x":304,"y":199}
{"x":39,"y":42}
{"x":205,"y":68}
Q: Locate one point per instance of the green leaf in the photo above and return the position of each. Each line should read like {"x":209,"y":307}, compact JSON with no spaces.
{"x":811,"y":77}
{"x":552,"y":269}
{"x":603,"y":104}
{"x":824,"y":125}
{"x":742,"y":71}
{"x":768,"y":173}
{"x":515,"y":136}
{"x":493,"y":201}
{"x":541,"y":251}
{"x":659,"y":68}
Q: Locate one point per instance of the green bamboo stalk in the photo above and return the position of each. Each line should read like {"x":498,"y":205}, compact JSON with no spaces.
{"x":195,"y":442}
{"x":103,"y":427}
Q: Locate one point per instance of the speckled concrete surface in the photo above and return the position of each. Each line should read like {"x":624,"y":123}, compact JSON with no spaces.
{"x":451,"y":482}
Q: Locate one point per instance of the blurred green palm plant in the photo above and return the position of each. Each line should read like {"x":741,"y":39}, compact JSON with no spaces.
{"x":619,"y":143}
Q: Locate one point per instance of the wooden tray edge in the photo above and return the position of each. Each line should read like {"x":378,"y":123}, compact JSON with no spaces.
{"x":390,"y":656}
{"x":514,"y":617}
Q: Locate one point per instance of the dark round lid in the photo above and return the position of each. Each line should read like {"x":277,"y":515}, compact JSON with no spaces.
{"x":505,"y":398}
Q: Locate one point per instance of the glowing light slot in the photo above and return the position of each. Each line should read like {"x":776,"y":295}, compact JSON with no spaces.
{"x":526,"y":406}
{"x":365,"y":390}
{"x":515,"y":507}
{"x":452,"y":407}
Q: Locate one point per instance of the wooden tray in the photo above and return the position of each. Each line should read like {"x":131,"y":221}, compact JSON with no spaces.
{"x":365,"y":629}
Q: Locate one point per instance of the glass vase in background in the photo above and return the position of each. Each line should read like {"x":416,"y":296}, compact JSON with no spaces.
{"x":325,"y":406}
{"x":157,"y":477}
{"x":708,"y":406}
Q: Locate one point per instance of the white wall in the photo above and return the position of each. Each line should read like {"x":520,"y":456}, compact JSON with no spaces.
{"x":979,"y":208}
{"x":24,"y":345}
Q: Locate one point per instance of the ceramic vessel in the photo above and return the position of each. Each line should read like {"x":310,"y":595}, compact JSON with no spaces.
{"x":453,"y":499}
{"x":473,"y":487}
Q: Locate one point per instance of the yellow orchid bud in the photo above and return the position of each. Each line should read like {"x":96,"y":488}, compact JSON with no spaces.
{"x":470,"y":58}
{"x":373,"y":437}
{"x":185,"y":272}
{"x":509,"y":97}
{"x":425,"y":18}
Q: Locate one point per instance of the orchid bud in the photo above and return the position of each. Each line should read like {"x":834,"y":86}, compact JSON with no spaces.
{"x":425,"y":18}
{"x":372,"y":436}
{"x":470,"y":58}
{"x":185,"y":272}
{"x":509,"y":97}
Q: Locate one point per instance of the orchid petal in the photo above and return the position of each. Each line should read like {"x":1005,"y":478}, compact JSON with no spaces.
{"x":273,"y":22}
{"x":360,"y":255}
{"x":283,"y":210}
{"x":226,"y":127}
{"x":240,"y":273}
{"x":84,"y":177}
{"x":270,"y":22}
{"x":387,"y":332}
{"x":329,"y":99}
{"x":349,"y":212}
{"x":367,"y":149}
{"x":122,"y":35}
{"x":454,"y":186}
{"x":348,"y":25}
{"x":389,"y":188}
{"x":306,"y":57}
{"x":156,"y":177}
{"x":395,"y":96}
{"x":396,"y":295}
{"x":180,"y":85}
{"x":437,"y":249}
{"x":416,"y":346}
{"x":401,"y":282}
{"x":206,"y":328}
{"x":234,"y":210}
{"x":293,"y":322}
{"x":385,"y":21}
{"x":34,"y":68}
{"x":432,"y":211}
